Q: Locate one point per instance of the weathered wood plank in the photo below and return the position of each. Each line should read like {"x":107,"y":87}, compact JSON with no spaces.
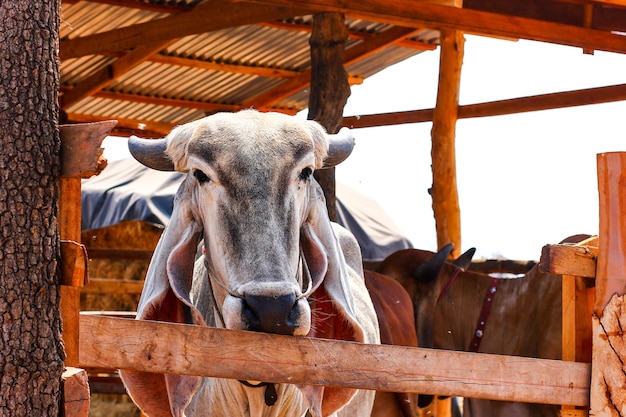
{"x":76,"y":398}
{"x":608,"y":397}
{"x":611,"y":270}
{"x":81,"y":154}
{"x":74,"y":264}
{"x":569,"y":260}
{"x":112,"y":286}
{"x":608,"y":379}
{"x":175,"y":348}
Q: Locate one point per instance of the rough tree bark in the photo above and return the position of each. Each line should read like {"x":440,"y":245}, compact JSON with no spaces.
{"x":31,"y":349}
{"x":329,"y":87}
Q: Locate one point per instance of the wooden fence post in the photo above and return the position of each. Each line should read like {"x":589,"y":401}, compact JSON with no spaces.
{"x":608,"y":379}
{"x":80,"y":158}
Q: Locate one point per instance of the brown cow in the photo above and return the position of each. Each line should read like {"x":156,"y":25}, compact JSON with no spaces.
{"x":524,"y":318}
{"x":394,"y":311}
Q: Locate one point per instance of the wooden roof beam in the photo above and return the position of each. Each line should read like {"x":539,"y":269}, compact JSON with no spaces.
{"x":573,"y":98}
{"x":568,"y":12}
{"x":107,"y":75}
{"x":353,"y":54}
{"x":142,"y":128}
{"x":424,"y":14}
{"x":139,"y":4}
{"x":223,"y":67}
{"x":207,"y":17}
{"x":204,"y":106}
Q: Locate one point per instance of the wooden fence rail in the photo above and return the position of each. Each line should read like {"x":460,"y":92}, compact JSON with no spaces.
{"x":194,"y":350}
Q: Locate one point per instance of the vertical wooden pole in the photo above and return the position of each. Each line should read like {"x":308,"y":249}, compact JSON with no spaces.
{"x":330,"y":88}
{"x":81,"y":157}
{"x":444,"y":190}
{"x":608,"y":379}
{"x":69,"y":229}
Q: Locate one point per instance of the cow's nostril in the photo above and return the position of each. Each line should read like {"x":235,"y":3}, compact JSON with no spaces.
{"x":271,"y":314}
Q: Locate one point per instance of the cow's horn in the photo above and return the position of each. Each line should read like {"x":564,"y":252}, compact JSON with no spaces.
{"x":428,"y":271}
{"x":340,"y":147}
{"x":151,"y":153}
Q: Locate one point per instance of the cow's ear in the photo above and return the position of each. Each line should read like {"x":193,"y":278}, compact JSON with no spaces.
{"x":165,"y":297}
{"x":465,"y":260}
{"x":338,"y":292}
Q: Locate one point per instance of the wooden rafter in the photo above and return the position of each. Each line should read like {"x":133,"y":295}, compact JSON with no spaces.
{"x":163,"y":101}
{"x":108,"y":74}
{"x":568,"y":12}
{"x":582,"y":97}
{"x":209,"y":16}
{"x":141,"y":5}
{"x":353,"y":54}
{"x":126,"y":127}
{"x":423,"y":14}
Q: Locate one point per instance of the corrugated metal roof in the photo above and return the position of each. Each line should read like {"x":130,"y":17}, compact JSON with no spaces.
{"x":193,"y":75}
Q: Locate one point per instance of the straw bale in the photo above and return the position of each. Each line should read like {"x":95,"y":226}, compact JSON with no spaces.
{"x":125,"y":235}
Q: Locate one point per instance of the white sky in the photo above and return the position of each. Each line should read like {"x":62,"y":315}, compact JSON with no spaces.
{"x":524,"y":180}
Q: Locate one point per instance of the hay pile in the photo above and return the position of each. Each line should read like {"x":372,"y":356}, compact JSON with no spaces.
{"x":130,"y":235}
{"x":124,"y":239}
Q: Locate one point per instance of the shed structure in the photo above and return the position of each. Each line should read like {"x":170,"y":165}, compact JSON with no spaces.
{"x":153,"y":64}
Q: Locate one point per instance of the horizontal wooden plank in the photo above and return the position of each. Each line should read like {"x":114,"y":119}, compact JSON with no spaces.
{"x":129,"y":254}
{"x":569,"y":260}
{"x":557,"y":100}
{"x":113,"y":286}
{"x":194,"y":350}
{"x":434,"y":16}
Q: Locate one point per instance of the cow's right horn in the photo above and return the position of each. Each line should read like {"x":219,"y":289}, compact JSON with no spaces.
{"x":151,"y":153}
{"x":340,"y":147}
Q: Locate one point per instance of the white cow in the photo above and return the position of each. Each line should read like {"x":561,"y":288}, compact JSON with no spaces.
{"x":272,"y":257}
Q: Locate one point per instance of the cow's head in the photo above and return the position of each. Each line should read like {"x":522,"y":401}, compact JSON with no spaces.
{"x":424,"y":275}
{"x":251,"y":197}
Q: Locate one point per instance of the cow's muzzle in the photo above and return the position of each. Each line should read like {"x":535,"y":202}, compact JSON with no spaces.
{"x":271,"y":314}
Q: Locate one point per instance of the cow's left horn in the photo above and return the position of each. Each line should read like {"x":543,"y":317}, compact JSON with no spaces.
{"x":151,"y":153}
{"x":340,"y":147}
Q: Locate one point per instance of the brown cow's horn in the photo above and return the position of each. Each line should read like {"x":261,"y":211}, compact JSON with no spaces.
{"x":340,"y":147}
{"x":428,"y":272}
{"x":151,"y":153}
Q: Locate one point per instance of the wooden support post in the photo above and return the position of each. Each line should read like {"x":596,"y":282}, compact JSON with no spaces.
{"x":577,"y":265}
{"x":75,"y":393}
{"x":81,"y":157}
{"x":444,"y":190}
{"x":608,"y":379}
{"x":330,"y":88}
{"x":69,"y":216}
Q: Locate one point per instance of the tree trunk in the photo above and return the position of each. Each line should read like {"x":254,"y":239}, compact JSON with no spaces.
{"x":31,"y":349}
{"x":329,"y":87}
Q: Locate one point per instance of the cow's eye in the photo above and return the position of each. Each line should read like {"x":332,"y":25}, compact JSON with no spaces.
{"x":201,"y":176}
{"x":305,"y":174}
